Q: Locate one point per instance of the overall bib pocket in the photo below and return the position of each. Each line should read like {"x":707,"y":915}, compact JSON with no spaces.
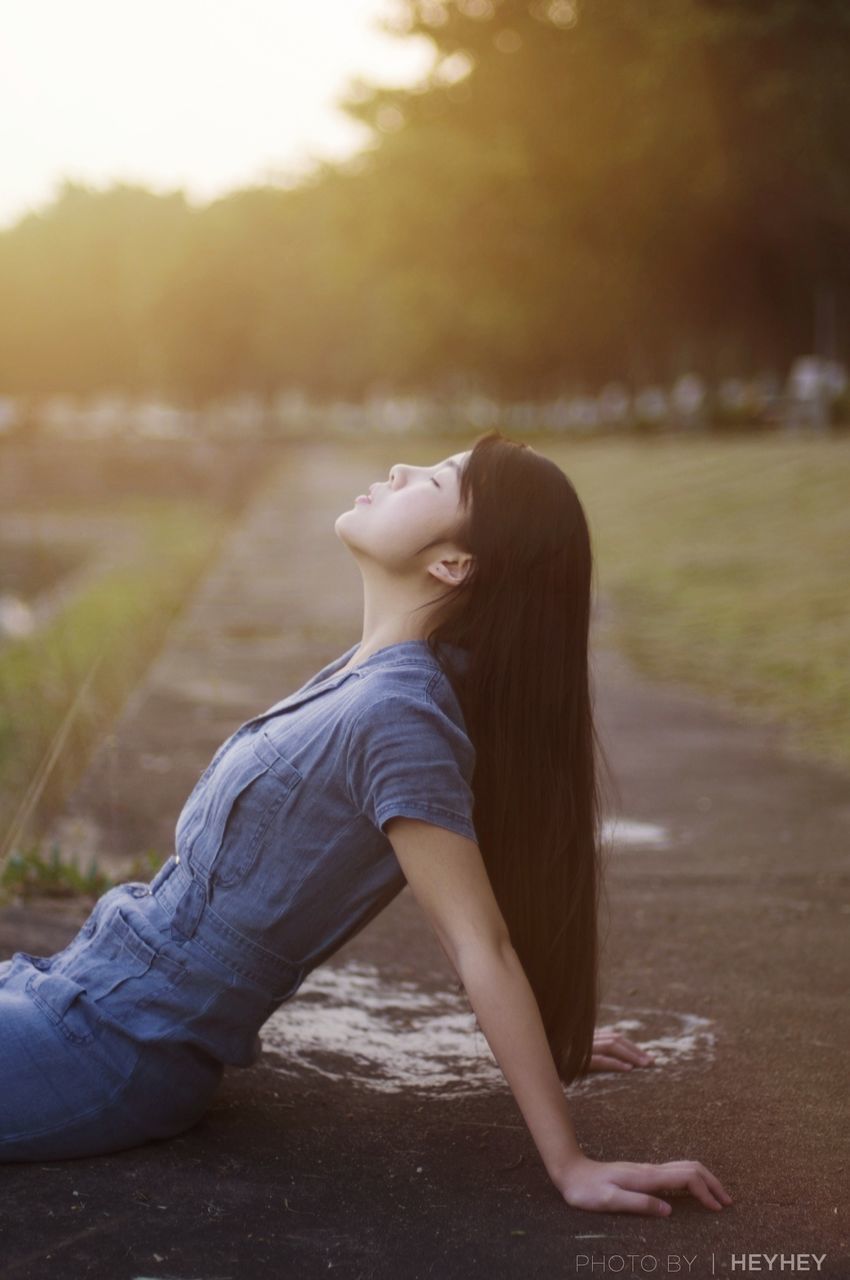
{"x":238,"y":806}
{"x":188,"y":818}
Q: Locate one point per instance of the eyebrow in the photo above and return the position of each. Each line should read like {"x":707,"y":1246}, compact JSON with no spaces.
{"x":450,"y":462}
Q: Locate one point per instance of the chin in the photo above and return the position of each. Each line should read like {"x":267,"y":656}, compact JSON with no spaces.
{"x":340,"y":524}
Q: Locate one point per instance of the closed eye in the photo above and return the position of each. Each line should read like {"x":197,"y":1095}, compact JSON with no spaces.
{"x":433,"y":481}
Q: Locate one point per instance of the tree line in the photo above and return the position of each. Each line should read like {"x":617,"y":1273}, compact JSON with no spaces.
{"x":581,"y":189}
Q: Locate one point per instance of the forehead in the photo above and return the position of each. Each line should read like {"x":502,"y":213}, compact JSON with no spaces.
{"x":456,"y":459}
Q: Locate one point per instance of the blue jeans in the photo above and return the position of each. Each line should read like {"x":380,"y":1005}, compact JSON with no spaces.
{"x":73,"y":1080}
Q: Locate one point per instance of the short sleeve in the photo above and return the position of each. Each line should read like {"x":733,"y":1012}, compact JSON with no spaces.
{"x":408,"y":758}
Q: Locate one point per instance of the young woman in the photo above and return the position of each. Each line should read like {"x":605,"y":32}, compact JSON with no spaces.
{"x":452,"y":749}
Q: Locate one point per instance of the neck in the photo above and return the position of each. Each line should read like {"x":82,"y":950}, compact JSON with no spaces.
{"x":393,"y":612}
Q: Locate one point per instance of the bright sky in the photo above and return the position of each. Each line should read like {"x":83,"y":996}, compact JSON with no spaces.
{"x":206,"y":95}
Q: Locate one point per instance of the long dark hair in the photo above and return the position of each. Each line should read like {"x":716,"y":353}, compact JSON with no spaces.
{"x":523,"y":615}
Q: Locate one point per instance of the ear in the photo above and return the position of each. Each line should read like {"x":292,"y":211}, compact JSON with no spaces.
{"x":453,"y":568}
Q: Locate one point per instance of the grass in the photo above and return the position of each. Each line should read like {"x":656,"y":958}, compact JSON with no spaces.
{"x":29,"y":873}
{"x":728,"y":564}
{"x":98,"y":647}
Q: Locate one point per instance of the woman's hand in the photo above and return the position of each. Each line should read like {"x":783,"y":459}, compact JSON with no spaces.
{"x":613,"y":1052}
{"x":623,"y":1187}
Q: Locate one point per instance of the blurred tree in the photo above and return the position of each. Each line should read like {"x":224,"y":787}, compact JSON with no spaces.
{"x":80,"y":281}
{"x":578,"y":189}
{"x":680,"y":173}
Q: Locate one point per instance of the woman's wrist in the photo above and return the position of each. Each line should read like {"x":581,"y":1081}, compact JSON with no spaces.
{"x":508,"y":1014}
{"x":568,"y":1168}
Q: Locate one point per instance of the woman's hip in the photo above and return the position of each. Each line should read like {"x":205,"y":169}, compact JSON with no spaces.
{"x":72,"y":1083}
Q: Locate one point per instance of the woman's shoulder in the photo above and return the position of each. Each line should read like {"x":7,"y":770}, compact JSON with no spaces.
{"x":408,"y":721}
{"x":414,"y":677}
{"x":414,"y":683}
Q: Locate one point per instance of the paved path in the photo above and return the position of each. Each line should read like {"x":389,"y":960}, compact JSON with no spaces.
{"x":376,"y":1138}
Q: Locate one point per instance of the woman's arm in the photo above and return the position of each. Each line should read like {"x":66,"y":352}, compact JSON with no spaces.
{"x":509,"y":1016}
{"x":449,"y":880}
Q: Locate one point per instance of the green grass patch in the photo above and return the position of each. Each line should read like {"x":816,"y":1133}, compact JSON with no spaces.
{"x":31,"y":873}
{"x":728,"y":566}
{"x":103,"y":640}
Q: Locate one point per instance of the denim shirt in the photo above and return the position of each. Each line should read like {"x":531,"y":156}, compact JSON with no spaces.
{"x":281,"y":854}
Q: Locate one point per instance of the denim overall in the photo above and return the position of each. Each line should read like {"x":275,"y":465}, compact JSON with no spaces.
{"x":280,"y":857}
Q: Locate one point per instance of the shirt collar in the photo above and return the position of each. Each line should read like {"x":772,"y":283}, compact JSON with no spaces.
{"x":390,"y":655}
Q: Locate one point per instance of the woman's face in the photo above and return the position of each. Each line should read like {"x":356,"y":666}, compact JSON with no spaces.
{"x":414,"y":508}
